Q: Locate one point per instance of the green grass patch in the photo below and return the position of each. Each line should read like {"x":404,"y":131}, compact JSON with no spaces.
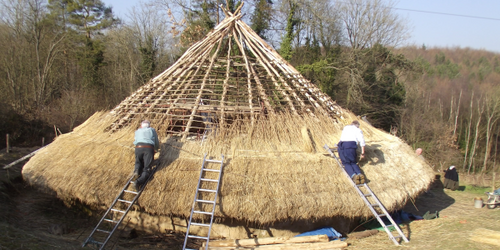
{"x":473,"y":189}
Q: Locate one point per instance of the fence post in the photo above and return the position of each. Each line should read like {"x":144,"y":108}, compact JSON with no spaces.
{"x":8,"y":145}
{"x":43,"y":141}
{"x":493,"y":185}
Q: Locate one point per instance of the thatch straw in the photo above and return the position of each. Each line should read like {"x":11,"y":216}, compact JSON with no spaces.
{"x":267,"y":178}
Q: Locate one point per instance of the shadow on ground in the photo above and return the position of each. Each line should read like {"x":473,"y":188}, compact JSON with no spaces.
{"x":434,"y":200}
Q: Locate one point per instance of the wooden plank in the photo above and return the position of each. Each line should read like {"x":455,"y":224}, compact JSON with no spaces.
{"x":268,"y":241}
{"x":290,"y":246}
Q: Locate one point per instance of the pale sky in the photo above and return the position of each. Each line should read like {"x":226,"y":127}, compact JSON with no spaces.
{"x":448,"y":26}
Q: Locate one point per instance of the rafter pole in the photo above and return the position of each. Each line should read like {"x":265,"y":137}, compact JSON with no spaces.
{"x":198,"y":98}
{"x":251,"y":71}
{"x":225,"y":83}
{"x":268,"y":67}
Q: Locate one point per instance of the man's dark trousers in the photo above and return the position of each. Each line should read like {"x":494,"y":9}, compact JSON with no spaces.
{"x":143,"y":158}
{"x":347,"y":153}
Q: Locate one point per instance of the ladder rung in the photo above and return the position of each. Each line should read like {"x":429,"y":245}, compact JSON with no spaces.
{"x":197,"y":237}
{"x":103,"y":231}
{"x":203,"y":179}
{"x":211,"y":170}
{"x":112,"y":221}
{"x":205,"y":201}
{"x":129,"y":191}
{"x":201,"y":212}
{"x":390,"y":225}
{"x":200,"y":224}
{"x":129,"y":202}
{"x":367,"y":195}
{"x":399,"y":236}
{"x":380,"y":215}
{"x":116,"y":210}
{"x":94,"y":242}
{"x":215,"y":161}
{"x":375,"y":205}
{"x":207,"y":190}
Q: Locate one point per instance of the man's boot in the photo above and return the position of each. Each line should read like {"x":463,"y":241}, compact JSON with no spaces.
{"x":361,"y":178}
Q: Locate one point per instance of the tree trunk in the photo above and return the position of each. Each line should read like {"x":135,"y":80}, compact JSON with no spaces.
{"x":458,"y":112}
{"x":476,"y":136}
{"x":468,"y":131}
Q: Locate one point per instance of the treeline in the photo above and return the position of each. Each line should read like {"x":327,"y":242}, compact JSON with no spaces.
{"x":455,"y":104}
{"x":62,"y":60}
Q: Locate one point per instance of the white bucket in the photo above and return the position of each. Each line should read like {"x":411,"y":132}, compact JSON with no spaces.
{"x":478,"y":202}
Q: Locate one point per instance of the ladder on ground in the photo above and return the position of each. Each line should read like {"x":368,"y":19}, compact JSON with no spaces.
{"x":373,"y":205}
{"x":205,"y":199}
{"x":116,"y":213}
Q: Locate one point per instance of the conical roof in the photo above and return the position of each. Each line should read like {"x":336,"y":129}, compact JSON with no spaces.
{"x":231,"y":72}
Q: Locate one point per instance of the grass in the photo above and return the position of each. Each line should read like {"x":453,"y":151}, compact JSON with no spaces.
{"x":473,"y":189}
{"x":452,"y":230}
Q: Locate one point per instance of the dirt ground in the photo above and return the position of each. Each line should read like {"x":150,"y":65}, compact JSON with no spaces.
{"x":33,"y":220}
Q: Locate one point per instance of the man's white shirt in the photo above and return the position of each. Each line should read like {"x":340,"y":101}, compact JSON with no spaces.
{"x":352,"y":133}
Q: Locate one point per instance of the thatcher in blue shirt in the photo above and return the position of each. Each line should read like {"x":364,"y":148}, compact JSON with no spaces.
{"x":146,"y":143}
{"x":147,"y":135}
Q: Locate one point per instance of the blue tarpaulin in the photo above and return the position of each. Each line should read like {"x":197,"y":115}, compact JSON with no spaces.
{"x":399,"y":217}
{"x":497,"y":192}
{"x":329,"y":231}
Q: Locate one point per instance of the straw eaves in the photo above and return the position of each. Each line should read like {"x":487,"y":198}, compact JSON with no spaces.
{"x":253,"y":107}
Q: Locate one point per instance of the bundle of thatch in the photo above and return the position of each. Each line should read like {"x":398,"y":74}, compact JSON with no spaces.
{"x":269,"y":122}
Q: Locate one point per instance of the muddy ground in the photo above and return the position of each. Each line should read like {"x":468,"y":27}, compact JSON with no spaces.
{"x":34,"y":220}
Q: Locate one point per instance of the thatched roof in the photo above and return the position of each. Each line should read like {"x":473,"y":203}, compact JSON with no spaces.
{"x":275,"y":169}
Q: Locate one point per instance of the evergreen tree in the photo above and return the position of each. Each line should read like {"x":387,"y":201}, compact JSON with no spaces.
{"x":200,"y":20}
{"x":261,"y":17}
{"x":149,"y":51}
{"x":87,"y":18}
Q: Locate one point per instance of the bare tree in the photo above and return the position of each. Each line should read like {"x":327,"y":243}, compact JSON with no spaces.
{"x":492,"y":108}
{"x":151,"y":36}
{"x":370,"y":22}
{"x":30,"y":46}
{"x":468,"y":130}
{"x":480,"y":111}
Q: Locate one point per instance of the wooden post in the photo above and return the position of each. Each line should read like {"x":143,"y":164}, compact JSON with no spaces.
{"x":43,"y":141}
{"x":493,"y":184}
{"x":7,"y":141}
{"x":55,"y":130}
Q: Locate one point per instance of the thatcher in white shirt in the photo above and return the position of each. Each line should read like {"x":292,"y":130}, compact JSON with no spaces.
{"x":353,"y":133}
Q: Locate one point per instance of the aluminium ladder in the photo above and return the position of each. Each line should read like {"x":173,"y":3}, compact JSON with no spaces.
{"x":108,"y":223}
{"x":373,"y":206}
{"x":206,"y":198}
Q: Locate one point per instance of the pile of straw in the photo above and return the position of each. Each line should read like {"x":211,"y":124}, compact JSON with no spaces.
{"x":275,"y":169}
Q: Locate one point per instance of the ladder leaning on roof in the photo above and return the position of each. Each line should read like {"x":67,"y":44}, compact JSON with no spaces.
{"x":206,"y":198}
{"x":373,"y":206}
{"x":118,"y":209}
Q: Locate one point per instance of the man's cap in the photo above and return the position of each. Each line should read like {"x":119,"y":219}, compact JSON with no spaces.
{"x":146,"y":121}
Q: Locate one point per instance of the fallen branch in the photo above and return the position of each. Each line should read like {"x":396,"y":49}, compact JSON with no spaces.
{"x":22,"y":159}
